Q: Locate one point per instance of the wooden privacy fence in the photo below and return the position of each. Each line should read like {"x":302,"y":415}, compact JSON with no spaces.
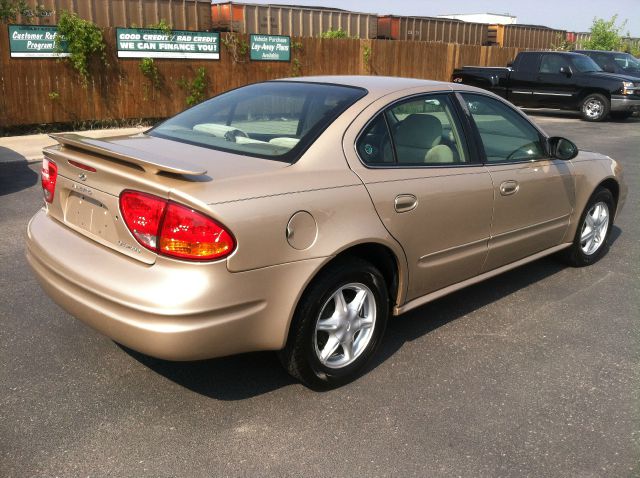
{"x":44,"y":90}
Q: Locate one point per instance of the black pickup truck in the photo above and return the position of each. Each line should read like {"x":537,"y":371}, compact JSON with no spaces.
{"x":548,"y":79}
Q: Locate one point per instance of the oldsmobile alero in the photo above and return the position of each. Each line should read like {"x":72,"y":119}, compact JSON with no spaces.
{"x":298,"y":215}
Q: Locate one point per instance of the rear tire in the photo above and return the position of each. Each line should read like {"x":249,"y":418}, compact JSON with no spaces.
{"x":595,"y":107}
{"x":338,"y":325}
{"x":590,"y":242}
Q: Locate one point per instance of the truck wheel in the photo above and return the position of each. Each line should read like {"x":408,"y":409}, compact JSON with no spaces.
{"x":595,"y":107}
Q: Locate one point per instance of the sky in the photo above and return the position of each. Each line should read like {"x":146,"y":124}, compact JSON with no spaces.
{"x":572,"y":15}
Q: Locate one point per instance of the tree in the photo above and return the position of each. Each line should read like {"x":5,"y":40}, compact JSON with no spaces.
{"x":339,"y":33}
{"x":605,"y":35}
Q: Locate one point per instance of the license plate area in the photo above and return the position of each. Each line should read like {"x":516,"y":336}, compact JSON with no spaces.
{"x":96,"y":215}
{"x":91,"y":215}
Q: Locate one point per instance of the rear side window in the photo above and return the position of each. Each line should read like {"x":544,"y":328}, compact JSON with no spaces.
{"x":421,"y":131}
{"x":273,"y":120}
{"x":506,"y":136}
{"x":552,"y":64}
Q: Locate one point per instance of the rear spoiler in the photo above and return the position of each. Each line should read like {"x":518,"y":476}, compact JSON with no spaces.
{"x":151,"y":163}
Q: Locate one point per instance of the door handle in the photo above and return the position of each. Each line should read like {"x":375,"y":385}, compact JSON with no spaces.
{"x":507,"y":188}
{"x":405,"y":202}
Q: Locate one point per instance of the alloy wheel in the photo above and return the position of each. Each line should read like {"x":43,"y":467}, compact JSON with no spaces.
{"x":345,"y":325}
{"x":594,"y":228}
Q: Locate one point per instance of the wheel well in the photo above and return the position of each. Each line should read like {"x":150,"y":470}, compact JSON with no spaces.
{"x":586,"y":93}
{"x":613,"y":186}
{"x":382,"y":258}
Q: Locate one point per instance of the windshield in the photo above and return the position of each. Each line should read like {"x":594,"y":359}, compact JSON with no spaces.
{"x":584,"y":64}
{"x":273,"y":120}
{"x":627,"y":61}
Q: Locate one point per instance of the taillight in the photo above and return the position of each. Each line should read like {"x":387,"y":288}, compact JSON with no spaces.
{"x":49,"y":177}
{"x":174,"y":230}
{"x":143,"y":213}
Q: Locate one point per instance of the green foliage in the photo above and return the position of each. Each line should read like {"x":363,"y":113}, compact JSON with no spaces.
{"x":605,"y":35}
{"x":296,"y":67}
{"x":10,"y":9}
{"x":54,"y":95}
{"x":237,"y":47}
{"x":84,"y":42}
{"x":339,"y":33}
{"x":562,"y":44}
{"x":162,"y":25}
{"x":366,"y":57}
{"x":149,"y":69}
{"x":197,"y":88}
{"x":632,"y":47}
{"x":296,"y":46}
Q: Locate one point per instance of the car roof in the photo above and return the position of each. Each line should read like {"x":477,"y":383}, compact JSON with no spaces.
{"x":606,"y":52}
{"x":377,"y":85}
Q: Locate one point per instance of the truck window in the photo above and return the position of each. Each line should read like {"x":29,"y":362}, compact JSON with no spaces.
{"x":552,"y":64}
{"x":526,"y":62}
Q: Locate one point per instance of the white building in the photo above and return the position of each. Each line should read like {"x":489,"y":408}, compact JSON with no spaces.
{"x":491,"y":18}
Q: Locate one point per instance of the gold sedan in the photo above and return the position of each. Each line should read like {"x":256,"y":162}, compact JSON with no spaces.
{"x":298,"y":215}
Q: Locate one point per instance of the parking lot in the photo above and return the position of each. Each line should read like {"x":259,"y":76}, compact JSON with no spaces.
{"x":533,"y":373}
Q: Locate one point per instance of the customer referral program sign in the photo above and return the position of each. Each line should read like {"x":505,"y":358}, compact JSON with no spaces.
{"x":34,"y":41}
{"x":148,"y":43}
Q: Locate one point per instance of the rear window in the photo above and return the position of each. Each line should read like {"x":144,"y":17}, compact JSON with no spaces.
{"x":273,"y":120}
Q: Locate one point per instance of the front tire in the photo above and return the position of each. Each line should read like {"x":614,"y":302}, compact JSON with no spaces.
{"x":595,"y":107}
{"x":338,"y":325}
{"x":596,"y":221}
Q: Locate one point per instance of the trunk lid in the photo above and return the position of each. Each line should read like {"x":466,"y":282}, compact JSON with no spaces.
{"x":93,"y":172}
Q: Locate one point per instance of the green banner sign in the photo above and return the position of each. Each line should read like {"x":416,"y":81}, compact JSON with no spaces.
{"x":34,"y":41}
{"x":148,"y":43}
{"x":270,"y":48}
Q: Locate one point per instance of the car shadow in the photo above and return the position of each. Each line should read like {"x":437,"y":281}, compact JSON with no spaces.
{"x":616,"y":232}
{"x":228,"y":378}
{"x":245,"y":376}
{"x":15,"y":172}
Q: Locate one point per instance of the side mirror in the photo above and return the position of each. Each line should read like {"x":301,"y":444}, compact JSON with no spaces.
{"x":565,"y":70}
{"x":562,"y":148}
{"x":609,"y":69}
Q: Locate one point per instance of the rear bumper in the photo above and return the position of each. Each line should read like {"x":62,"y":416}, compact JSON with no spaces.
{"x":170,"y":310}
{"x":624,"y":103}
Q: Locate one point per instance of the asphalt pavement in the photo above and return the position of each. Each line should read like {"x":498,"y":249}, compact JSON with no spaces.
{"x":533,"y":373}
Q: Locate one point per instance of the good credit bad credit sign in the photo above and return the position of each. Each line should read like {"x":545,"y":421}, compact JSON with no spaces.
{"x":270,"y":47}
{"x":148,"y":43}
{"x":34,"y":41}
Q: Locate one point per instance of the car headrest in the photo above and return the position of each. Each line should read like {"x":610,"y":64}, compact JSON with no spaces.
{"x":419,"y":131}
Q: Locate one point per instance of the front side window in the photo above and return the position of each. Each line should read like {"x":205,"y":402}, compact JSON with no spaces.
{"x":506,"y":135}
{"x":273,"y":120}
{"x":584,"y":64}
{"x":421,"y":131}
